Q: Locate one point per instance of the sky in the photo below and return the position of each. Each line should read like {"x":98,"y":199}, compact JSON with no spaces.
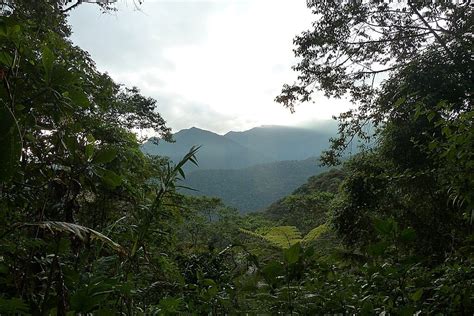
{"x":213,"y":64}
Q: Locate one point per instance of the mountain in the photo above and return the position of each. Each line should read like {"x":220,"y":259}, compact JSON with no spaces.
{"x":253,"y":188}
{"x":248,"y":170}
{"x":216,"y":152}
{"x":287,"y":143}
{"x":236,"y":150}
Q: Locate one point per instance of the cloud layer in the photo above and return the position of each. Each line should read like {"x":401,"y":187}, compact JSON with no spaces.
{"x":217,"y":65}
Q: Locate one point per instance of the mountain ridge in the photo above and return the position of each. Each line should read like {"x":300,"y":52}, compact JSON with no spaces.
{"x":236,"y":150}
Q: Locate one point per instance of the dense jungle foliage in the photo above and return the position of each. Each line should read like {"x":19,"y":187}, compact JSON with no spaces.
{"x":91,"y":225}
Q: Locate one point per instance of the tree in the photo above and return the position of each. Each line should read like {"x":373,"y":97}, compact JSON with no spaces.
{"x":72,"y":172}
{"x":355,"y":44}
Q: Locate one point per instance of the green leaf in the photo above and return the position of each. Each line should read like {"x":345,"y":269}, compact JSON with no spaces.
{"x":315,"y":233}
{"x":406,"y":311}
{"x":89,"y":151}
{"x":272,"y":271}
{"x":292,"y":254}
{"x":47,"y":57}
{"x":416,"y":296}
{"x":283,"y":236}
{"x":170,"y":304}
{"x":79,"y":98}
{"x":6,"y":59}
{"x":13,"y":30}
{"x":399,"y":102}
{"x":330,"y":276}
{"x":3,"y":268}
{"x":14,"y":306}
{"x":90,"y":138}
{"x":110,"y":178}
{"x":431,"y":116}
{"x":408,"y":235}
{"x":378,"y":249}
{"x":384,"y":226}
{"x":209,"y":282}
{"x":105,"y":155}
{"x":10,"y":144}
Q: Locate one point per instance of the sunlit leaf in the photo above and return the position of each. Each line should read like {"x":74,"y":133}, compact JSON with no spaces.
{"x":47,"y":58}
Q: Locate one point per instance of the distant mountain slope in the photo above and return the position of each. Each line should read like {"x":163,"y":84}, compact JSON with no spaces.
{"x":236,"y":150}
{"x":217,"y":151}
{"x":287,"y":143}
{"x":253,"y":188}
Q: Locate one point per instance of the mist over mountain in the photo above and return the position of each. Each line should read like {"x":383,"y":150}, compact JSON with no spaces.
{"x":236,"y":150}
{"x":287,"y":143}
{"x":216,"y":152}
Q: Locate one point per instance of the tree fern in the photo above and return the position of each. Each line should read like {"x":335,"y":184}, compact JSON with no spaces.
{"x":286,"y":236}
{"x":283,"y":236}
{"x":315,"y":233}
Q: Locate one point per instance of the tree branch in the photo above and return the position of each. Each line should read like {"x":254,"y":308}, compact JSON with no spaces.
{"x":436,"y":35}
{"x":72,"y":7}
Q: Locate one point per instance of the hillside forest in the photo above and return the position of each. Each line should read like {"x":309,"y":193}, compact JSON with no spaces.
{"x":92,"y":225}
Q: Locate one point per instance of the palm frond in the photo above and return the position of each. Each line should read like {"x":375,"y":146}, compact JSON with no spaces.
{"x":81,"y":232}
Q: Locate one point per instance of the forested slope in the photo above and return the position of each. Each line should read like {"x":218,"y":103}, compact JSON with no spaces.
{"x":308,"y":206}
{"x":253,"y":188}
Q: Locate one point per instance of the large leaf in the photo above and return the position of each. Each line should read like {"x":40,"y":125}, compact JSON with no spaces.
{"x":280,"y":236}
{"x":81,"y":232}
{"x":105,"y":155}
{"x":283,"y":236}
{"x":315,"y":233}
{"x":384,"y":227}
{"x":6,"y":59}
{"x":10,"y":144}
{"x":272,"y":271}
{"x":79,"y":98}
{"x":110,"y":178}
{"x":408,"y":235}
{"x":14,"y":306}
{"x":47,"y":58}
{"x":292,"y":254}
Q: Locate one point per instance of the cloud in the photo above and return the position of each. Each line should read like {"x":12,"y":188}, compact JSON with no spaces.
{"x":214,"y":64}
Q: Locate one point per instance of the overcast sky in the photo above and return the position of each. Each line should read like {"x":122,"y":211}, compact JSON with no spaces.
{"x":217,"y":65}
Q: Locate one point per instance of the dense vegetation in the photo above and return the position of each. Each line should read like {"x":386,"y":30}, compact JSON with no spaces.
{"x":89,"y":224}
{"x":252,"y":188}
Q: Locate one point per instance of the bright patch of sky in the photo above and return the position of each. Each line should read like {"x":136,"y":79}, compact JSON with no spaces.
{"x":217,"y":65}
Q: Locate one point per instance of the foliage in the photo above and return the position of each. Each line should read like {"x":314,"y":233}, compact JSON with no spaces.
{"x":286,"y":236}
{"x":309,"y":204}
{"x":91,"y":225}
{"x":251,"y":189}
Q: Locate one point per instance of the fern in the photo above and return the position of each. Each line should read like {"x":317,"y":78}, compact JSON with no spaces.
{"x":284,"y":237}
{"x":280,"y":236}
{"x":315,"y":233}
{"x":253,"y":234}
